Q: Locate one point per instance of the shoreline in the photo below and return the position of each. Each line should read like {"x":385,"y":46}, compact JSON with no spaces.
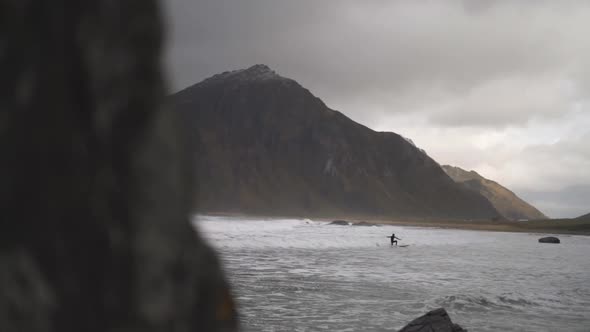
{"x":548,"y":227}
{"x":489,"y":227}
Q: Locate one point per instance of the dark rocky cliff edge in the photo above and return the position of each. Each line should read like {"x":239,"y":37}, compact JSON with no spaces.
{"x":266,"y":145}
{"x":96,"y":189}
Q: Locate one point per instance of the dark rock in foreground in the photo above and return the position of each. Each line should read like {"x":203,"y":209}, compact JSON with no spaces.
{"x":339,"y":223}
{"x":549,"y":239}
{"x":435,"y":321}
{"x":96,"y":189}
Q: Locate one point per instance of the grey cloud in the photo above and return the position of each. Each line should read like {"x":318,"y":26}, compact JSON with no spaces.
{"x":543,"y":167}
{"x":553,"y":177}
{"x":378,"y":50}
{"x":509,"y":102}
{"x":570,"y":202}
{"x":546,"y":157}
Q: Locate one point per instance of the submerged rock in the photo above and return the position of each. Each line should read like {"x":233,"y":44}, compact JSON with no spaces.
{"x":363,"y":223}
{"x":549,"y":239}
{"x":435,"y":321}
{"x":339,"y":223}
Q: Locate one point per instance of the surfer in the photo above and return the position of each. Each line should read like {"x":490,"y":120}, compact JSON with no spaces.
{"x":393,"y":237}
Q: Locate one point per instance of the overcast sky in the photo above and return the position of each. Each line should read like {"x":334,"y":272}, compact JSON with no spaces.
{"x":500,"y":87}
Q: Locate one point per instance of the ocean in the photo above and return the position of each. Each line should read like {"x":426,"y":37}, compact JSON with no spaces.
{"x":304,"y":275}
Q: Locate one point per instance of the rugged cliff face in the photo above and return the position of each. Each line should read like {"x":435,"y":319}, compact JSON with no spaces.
{"x":505,"y":201}
{"x":268,"y":146}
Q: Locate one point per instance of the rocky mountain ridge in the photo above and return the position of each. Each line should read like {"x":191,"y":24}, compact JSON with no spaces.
{"x":505,"y":201}
{"x":266,"y":145}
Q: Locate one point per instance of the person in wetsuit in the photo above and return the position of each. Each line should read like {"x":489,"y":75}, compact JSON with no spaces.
{"x":393,"y":237}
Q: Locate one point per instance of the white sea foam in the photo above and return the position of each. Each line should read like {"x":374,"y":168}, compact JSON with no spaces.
{"x":293,"y":233}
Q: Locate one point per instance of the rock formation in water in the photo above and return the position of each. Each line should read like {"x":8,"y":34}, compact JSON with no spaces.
{"x":505,"y":201}
{"x":96,"y":189}
{"x":268,"y":146}
{"x":549,"y":239}
{"x":339,"y":223}
{"x":434,"y":321}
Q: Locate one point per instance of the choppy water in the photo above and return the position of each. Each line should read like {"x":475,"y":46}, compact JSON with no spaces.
{"x":300,"y":275}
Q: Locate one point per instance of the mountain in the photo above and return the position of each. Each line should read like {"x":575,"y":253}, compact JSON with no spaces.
{"x":505,"y":201}
{"x":266,"y":145}
{"x":584,"y":217}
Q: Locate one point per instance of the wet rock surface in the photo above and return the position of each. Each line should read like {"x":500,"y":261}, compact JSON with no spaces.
{"x":339,"y":223}
{"x":549,"y":239}
{"x":434,"y":321}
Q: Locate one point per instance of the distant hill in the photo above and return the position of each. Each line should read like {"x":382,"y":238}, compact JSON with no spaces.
{"x":505,"y":201}
{"x":584,"y":217}
{"x":266,"y":145}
